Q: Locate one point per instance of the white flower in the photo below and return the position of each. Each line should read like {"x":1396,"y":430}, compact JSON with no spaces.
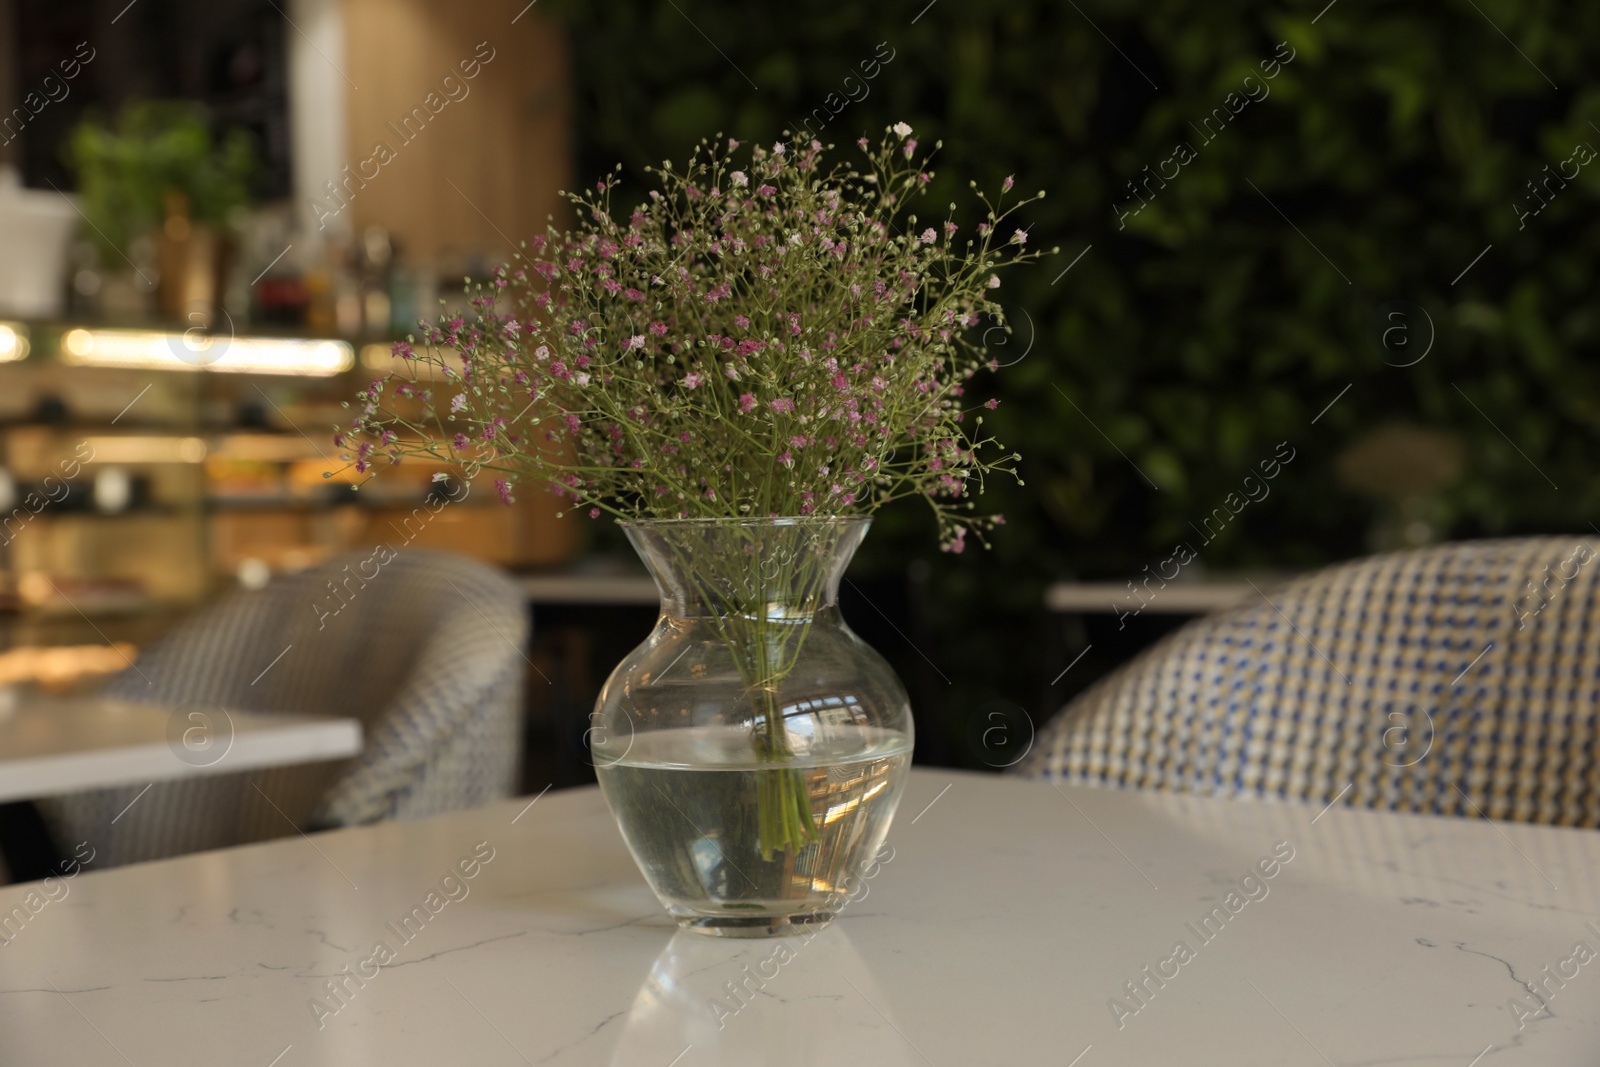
{"x":542,"y":352}
{"x":740,"y":178}
{"x":777,"y":148}
{"x":458,"y":401}
{"x":582,"y":378}
{"x":928,"y":236}
{"x":1020,"y":237}
{"x":636,"y":341}
{"x":994,"y":281}
{"x":902,"y":130}
{"x":794,"y":238}
{"x":440,"y":476}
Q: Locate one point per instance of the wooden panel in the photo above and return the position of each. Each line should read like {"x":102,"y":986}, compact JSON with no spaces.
{"x":502,"y":137}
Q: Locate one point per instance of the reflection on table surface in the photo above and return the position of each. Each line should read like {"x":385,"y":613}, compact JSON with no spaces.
{"x":797,"y":1001}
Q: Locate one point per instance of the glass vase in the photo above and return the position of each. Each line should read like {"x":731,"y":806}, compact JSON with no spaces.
{"x":753,"y":748}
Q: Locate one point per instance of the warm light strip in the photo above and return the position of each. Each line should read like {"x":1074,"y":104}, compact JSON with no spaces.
{"x":134,"y":449}
{"x":13,"y":341}
{"x":154,"y":350}
{"x":270,"y":448}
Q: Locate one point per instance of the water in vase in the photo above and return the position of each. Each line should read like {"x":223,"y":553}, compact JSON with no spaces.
{"x":688,"y":800}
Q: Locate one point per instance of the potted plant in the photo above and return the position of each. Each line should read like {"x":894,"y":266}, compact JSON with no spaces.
{"x":160,"y":172}
{"x":741,"y":371}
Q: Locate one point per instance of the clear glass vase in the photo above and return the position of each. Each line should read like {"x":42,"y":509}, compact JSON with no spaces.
{"x":753,"y":748}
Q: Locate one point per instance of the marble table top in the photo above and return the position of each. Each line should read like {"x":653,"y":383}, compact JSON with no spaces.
{"x":1010,"y":922}
{"x":53,"y":746}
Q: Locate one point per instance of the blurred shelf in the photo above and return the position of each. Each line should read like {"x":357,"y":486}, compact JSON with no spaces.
{"x":144,"y":511}
{"x":1176,"y":598}
{"x":578,"y":588}
{"x":96,"y":606}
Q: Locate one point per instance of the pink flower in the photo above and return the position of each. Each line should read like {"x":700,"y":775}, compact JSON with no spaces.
{"x":782,"y":405}
{"x":739,"y":178}
{"x":692,"y":380}
{"x":741,"y":321}
{"x":766,"y":191}
{"x":862,"y":144}
{"x":594,"y":513}
{"x":633,"y":294}
{"x":636,"y":341}
{"x":1005,"y":186}
{"x":928,"y":236}
{"x":747,"y":402}
{"x":658,"y":328}
{"x":994,"y":281}
{"x":459,"y":442}
{"x":991,"y":403}
{"x":911,"y":146}
{"x":503,"y":488}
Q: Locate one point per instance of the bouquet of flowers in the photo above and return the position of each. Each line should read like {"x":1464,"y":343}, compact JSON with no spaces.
{"x":765,"y":335}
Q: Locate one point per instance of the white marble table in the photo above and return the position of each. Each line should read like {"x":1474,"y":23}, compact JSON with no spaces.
{"x":48,"y":747}
{"x":1008,"y":919}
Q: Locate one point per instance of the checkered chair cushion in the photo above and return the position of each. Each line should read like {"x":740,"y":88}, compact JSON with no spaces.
{"x":1462,"y":679}
{"x":427,"y":653}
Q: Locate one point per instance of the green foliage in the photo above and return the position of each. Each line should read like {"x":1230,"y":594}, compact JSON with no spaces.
{"x":1230,"y":311}
{"x":125,"y":172}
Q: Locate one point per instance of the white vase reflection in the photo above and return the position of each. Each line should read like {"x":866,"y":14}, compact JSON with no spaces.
{"x":783,"y":1002}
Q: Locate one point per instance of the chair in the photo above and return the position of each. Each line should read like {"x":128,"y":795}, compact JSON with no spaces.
{"x":1460,"y":679}
{"x":424,"y":648}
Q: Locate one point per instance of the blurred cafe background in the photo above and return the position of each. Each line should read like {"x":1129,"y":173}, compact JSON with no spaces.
{"x":216,"y":217}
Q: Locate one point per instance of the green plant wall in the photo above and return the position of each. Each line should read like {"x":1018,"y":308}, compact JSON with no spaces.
{"x":1386,"y":163}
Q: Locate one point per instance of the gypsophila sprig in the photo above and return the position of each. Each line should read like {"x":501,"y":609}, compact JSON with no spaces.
{"x":763,"y":336}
